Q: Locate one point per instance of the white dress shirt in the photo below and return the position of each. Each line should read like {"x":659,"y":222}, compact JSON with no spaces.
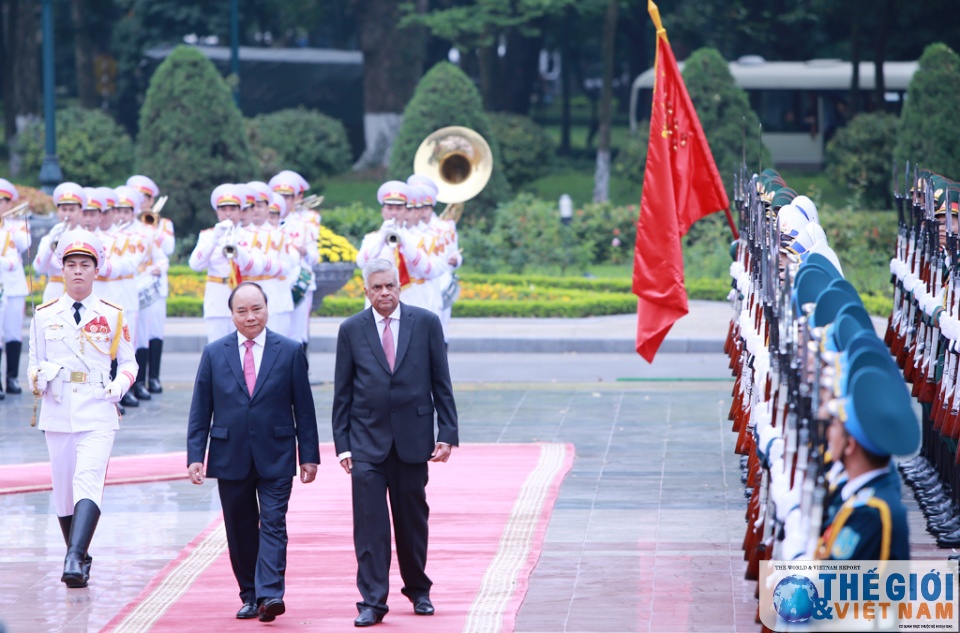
{"x":259,"y":341}
{"x":394,"y":324}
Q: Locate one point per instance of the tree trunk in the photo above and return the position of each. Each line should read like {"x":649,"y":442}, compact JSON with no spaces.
{"x":855,"y":62}
{"x":519,"y":69}
{"x":601,"y":181}
{"x":566,"y":78}
{"x":83,"y":52}
{"x":487,"y":68}
{"x":880,"y":39}
{"x":19,"y":63}
{"x":392,"y":66}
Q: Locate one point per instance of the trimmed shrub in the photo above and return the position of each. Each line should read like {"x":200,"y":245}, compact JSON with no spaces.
{"x":191,"y":137}
{"x":527,"y":232}
{"x":724,"y":112}
{"x":526,"y":148}
{"x":93,"y":150}
{"x":353,"y":221}
{"x":859,"y":156}
{"x":306,"y":141}
{"x":929,"y":134}
{"x":446,"y":96}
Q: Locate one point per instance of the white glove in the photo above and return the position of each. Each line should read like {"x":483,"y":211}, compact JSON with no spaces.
{"x":113,"y":391}
{"x":46,"y":371}
{"x":220,"y":228}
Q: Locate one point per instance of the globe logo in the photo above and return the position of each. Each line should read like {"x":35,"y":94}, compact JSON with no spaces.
{"x":794,"y":597}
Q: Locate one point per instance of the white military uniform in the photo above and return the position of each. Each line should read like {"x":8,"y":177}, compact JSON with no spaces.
{"x":78,"y":420}
{"x":448,"y":245}
{"x":15,"y":240}
{"x":46,"y":263}
{"x":424,"y":266}
{"x":301,"y":231}
{"x":284,"y":263}
{"x":208,"y":255}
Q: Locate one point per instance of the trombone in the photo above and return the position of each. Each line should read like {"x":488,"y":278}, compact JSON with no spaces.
{"x":311,"y":202}
{"x":152,"y":217}
{"x":18,"y":211}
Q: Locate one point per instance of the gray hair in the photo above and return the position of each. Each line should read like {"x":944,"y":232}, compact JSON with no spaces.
{"x":380,"y":265}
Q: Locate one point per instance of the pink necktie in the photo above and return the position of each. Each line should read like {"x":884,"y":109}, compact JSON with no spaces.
{"x":249,"y":368}
{"x":388,"y":348}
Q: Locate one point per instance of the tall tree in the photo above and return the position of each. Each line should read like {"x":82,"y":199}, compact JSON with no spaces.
{"x":83,"y":52}
{"x":19,"y":63}
{"x":392,"y":65}
{"x":506,"y":35}
{"x":601,"y":178}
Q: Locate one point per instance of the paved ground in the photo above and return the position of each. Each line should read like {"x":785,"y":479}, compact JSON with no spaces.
{"x":645,"y":535}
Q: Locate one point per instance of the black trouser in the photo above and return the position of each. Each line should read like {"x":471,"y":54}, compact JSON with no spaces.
{"x":406,"y":486}
{"x":255,"y":519}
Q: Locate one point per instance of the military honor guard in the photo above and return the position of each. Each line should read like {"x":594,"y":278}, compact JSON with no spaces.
{"x":819,"y":406}
{"x":69,"y":200}
{"x":153,"y":283}
{"x":225,"y":253}
{"x":273,"y":243}
{"x":302,"y":232}
{"x":73,"y":340}
{"x":16,"y":240}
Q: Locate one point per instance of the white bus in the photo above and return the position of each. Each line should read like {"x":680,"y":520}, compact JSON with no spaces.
{"x":800,"y":104}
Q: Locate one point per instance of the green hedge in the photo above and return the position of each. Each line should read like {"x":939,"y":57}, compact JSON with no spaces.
{"x":305,"y":141}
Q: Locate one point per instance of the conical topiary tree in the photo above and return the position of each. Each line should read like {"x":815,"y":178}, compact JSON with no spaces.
{"x":725,"y":114}
{"x":446,"y":96}
{"x":929,"y":134}
{"x":191,"y":137}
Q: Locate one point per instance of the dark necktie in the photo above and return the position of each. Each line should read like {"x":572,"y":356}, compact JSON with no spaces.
{"x":76,"y":311}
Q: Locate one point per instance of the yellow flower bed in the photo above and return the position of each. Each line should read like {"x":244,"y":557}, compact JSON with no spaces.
{"x":482,"y":291}
{"x":335,"y":248}
{"x":187,"y":285}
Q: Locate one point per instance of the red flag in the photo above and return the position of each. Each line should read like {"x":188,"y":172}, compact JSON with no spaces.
{"x":681,"y":184}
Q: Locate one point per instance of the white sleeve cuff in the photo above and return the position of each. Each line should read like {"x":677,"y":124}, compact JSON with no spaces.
{"x":344,"y":455}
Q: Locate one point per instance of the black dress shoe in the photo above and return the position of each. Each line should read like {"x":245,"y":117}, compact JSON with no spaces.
{"x":129,"y":400}
{"x":154,"y":386}
{"x":248,"y":611}
{"x":140,"y":391}
{"x":423,"y":606}
{"x":271,"y":608}
{"x":368,"y":617}
{"x":13,"y":386}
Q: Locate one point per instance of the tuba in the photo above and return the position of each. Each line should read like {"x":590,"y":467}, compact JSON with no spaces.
{"x":460,"y":161}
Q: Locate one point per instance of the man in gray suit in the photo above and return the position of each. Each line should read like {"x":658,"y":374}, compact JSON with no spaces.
{"x":391,"y":376}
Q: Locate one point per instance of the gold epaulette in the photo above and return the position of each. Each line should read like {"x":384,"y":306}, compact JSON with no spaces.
{"x":112,"y":305}
{"x":48,"y":304}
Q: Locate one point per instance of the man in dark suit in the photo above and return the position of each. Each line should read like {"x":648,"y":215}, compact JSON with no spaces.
{"x":391,"y":375}
{"x":252,"y":384}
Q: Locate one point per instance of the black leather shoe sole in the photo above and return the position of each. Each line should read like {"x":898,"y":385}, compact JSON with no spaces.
{"x":270,"y":609}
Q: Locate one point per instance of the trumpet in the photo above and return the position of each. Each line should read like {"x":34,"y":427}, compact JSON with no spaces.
{"x":18,"y":211}
{"x":56,"y":232}
{"x":391,"y":235}
{"x":229,"y":249}
{"x":152,"y":217}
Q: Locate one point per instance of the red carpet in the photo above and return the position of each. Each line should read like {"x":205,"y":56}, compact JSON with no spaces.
{"x":131,"y":469}
{"x":489,"y":510}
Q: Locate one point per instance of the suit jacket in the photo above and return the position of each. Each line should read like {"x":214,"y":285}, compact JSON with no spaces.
{"x":258,"y":433}
{"x":374,"y":409}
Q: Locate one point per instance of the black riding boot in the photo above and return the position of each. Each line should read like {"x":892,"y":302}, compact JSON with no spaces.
{"x":156,"y":351}
{"x":86,"y":514}
{"x":13,"y":366}
{"x":65,"y":528}
{"x":139,"y":388}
